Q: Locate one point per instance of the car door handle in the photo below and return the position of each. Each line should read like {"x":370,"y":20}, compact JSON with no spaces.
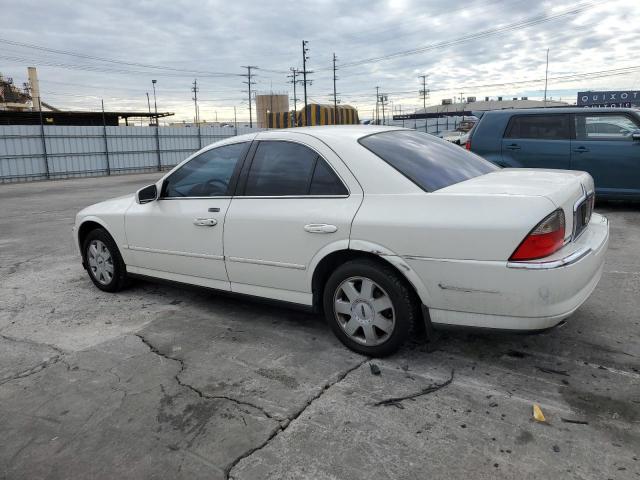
{"x":320,"y":228}
{"x":513,"y":146}
{"x":205,"y":222}
{"x":581,"y":149}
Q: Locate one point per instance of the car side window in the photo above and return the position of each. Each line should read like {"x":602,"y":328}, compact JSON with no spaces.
{"x":542,"y":127}
{"x":325,"y":181}
{"x":604,"y":127}
{"x":282,"y":168}
{"x":207,"y":175}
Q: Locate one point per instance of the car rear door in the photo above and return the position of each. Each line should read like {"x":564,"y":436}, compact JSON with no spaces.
{"x":295,"y":202}
{"x":537,"y":141}
{"x":179,"y":236}
{"x":603,"y":147}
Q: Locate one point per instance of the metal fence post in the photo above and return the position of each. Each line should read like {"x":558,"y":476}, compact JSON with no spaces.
{"x":44,"y":142}
{"x":158,"y":145}
{"x":106,"y":143}
{"x":199,"y":137}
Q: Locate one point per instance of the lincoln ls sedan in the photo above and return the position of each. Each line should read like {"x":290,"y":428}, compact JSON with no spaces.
{"x":378,"y":228}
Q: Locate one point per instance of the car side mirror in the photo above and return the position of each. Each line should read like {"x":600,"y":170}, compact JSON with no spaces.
{"x":147,"y":194}
{"x":635,"y":135}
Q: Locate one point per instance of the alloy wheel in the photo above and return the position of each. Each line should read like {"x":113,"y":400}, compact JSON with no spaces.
{"x":364,"y":311}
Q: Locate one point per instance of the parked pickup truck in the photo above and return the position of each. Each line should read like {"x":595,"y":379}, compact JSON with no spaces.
{"x":602,"y":141}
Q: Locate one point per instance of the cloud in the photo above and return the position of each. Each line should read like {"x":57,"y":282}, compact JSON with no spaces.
{"x":221,"y":36}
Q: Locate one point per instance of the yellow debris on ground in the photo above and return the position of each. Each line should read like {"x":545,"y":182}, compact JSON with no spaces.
{"x":537,"y":413}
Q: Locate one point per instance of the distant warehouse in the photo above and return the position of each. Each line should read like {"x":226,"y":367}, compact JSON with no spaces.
{"x":314,"y":114}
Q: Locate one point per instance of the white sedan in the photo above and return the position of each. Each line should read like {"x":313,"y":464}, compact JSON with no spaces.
{"x":378,"y":227}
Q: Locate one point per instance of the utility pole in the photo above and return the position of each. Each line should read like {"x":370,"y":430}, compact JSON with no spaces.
{"x":294,"y":81}
{"x":546,"y":77}
{"x":305,"y":72}
{"x":335,"y":98}
{"x":195,"y":90}
{"x":383,"y":100}
{"x":249,"y":75}
{"x":235,"y":120}
{"x":155,"y":103}
{"x":149,"y":104}
{"x":377,"y":102}
{"x":425,"y":93}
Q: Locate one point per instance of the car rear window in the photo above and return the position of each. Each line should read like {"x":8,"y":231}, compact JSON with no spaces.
{"x":429,"y":162}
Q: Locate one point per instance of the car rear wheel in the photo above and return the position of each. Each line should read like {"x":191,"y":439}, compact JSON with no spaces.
{"x":369,"y":307}
{"x":103,"y":261}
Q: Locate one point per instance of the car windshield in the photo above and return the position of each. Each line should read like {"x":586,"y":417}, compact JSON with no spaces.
{"x":427,"y":161}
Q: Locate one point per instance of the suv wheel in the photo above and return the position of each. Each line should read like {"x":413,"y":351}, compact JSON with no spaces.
{"x":369,"y":307}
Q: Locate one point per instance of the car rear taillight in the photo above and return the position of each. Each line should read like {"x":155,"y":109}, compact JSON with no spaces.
{"x":546,"y":238}
{"x":467,"y":145}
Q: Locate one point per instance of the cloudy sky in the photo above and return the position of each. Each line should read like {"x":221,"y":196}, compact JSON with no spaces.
{"x":112,"y":49}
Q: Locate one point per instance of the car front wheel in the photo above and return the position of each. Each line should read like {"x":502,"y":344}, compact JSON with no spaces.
{"x":103,"y":261}
{"x":369,"y":307}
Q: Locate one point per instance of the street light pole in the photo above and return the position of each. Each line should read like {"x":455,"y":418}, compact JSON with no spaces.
{"x":155,"y":103}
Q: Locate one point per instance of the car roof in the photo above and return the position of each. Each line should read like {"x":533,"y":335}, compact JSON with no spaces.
{"x":353,"y":132}
{"x":556,"y":110}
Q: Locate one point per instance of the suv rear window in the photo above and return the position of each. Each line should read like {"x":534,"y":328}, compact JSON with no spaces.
{"x":429,"y":162}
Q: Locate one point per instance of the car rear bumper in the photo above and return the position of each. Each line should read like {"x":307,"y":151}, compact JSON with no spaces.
{"x":533,"y":295}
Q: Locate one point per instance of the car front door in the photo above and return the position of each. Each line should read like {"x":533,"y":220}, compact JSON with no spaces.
{"x":295,"y":200}
{"x":179,"y":236}
{"x":537,"y":141}
{"x":604,"y":147}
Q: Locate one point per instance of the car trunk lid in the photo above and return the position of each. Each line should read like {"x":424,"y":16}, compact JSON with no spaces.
{"x":567,"y":189}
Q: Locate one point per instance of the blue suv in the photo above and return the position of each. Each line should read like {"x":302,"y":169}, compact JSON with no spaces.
{"x":602,"y":141}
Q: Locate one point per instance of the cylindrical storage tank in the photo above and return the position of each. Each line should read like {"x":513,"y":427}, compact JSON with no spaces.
{"x":271,"y":102}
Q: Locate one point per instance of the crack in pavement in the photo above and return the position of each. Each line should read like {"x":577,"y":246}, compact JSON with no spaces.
{"x":33,"y":342}
{"x":38,"y":367}
{"x":197,"y":391}
{"x":33,"y":370}
{"x":283,"y":424}
{"x":293,"y":417}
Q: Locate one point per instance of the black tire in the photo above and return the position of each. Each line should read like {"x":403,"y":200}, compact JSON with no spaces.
{"x":118,"y":279}
{"x":405,"y":306}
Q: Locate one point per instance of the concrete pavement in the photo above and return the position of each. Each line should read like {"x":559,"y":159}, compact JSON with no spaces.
{"x":160,"y":381}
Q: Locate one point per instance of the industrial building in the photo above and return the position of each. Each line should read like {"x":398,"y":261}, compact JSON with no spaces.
{"x":314,"y":114}
{"x":472,"y":107}
{"x":24,"y":106}
{"x":267,"y":103}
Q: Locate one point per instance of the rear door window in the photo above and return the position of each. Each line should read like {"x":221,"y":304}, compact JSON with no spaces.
{"x":281,"y":168}
{"x":429,"y":162}
{"x":541,"y":127}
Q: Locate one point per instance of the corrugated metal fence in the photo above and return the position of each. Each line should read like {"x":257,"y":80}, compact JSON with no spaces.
{"x":32,"y":152}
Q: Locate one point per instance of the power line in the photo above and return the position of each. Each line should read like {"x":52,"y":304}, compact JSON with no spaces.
{"x":557,"y":79}
{"x":96,"y":68}
{"x":466,"y":38}
{"x":111,"y":60}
